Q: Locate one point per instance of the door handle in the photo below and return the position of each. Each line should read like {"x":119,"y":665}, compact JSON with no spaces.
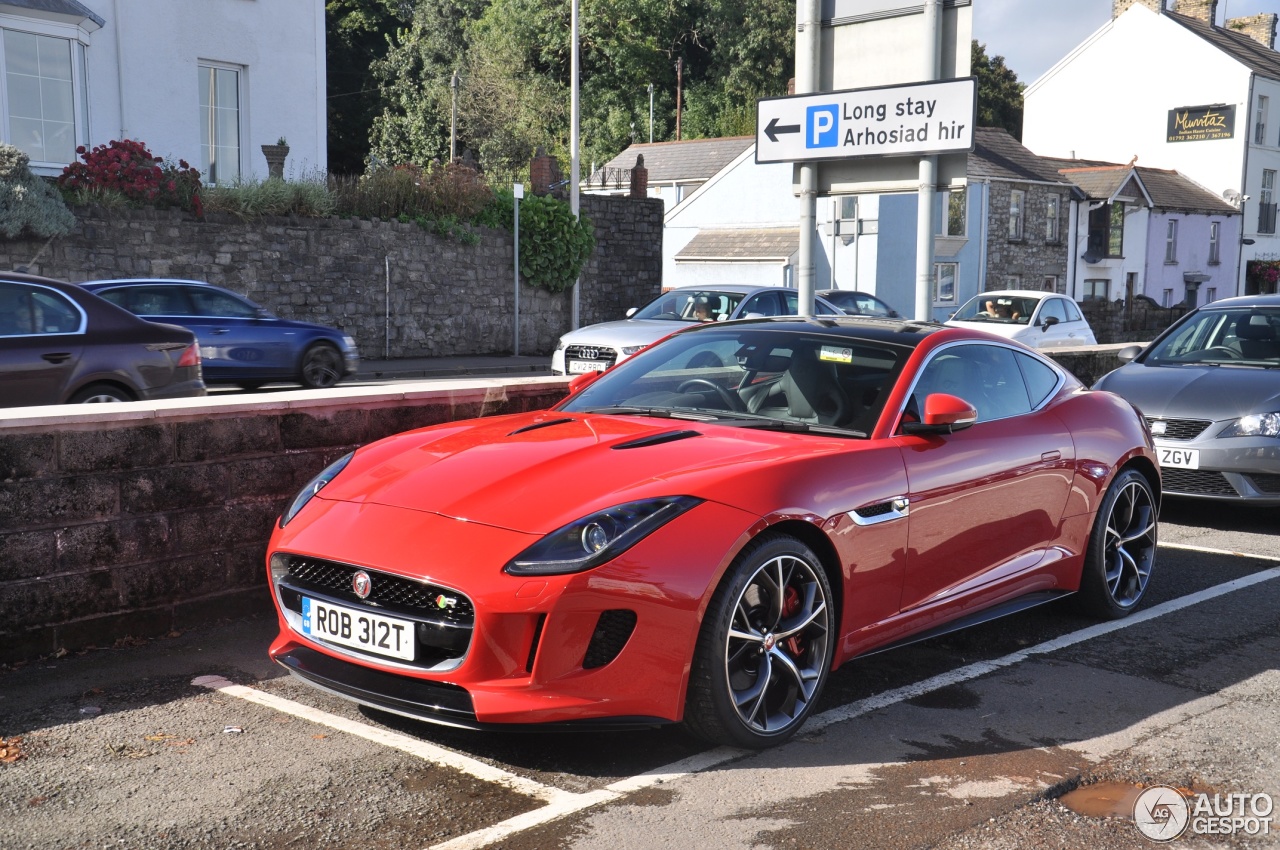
{"x":57,"y":357}
{"x":1048,"y":457}
{"x":219,"y":330}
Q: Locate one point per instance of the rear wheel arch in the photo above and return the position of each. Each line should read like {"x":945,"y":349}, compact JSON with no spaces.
{"x":92,"y":388}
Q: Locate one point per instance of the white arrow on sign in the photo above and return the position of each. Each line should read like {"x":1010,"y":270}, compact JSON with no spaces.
{"x":908,"y":120}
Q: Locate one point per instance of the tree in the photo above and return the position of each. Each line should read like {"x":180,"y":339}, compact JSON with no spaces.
{"x":999,"y":92}
{"x":356,"y":36}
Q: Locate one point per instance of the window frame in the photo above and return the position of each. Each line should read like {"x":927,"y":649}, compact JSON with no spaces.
{"x":1091,"y":285}
{"x":1017,"y":214}
{"x":79,"y":80}
{"x":1215,"y":243}
{"x":1053,"y":218}
{"x":1171,"y":242}
{"x":938,"y":269}
{"x":1106,"y":230}
{"x":208,"y":125}
{"x":1260,"y":120}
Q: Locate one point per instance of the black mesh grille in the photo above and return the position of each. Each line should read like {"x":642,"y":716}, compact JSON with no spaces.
{"x":875,"y":510}
{"x":613,"y":629}
{"x":1178,"y":429}
{"x":1196,"y":482}
{"x":1266,"y":483}
{"x":394,"y":593}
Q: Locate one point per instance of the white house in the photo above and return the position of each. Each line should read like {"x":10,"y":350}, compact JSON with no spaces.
{"x":676,"y":169}
{"x":1180,"y":92}
{"x":208,"y":81}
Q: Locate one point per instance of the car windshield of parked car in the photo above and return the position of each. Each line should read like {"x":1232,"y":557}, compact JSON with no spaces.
{"x":690,"y":305}
{"x":1002,"y":309}
{"x":749,"y":377}
{"x":1239,"y":336}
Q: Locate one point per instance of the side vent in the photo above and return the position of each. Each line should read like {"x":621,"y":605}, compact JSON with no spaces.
{"x":658,"y":439}
{"x":613,"y":630}
{"x":533,"y":644}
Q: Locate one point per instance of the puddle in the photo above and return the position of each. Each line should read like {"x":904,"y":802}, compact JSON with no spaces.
{"x":1103,"y":799}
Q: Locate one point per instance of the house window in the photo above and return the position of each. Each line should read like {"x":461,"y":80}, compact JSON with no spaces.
{"x":1266,"y":203}
{"x":1097,"y":289}
{"x":1260,"y":121}
{"x":1049,"y":283}
{"x":1106,"y":230}
{"x":46,"y":108}
{"x":1053,"y":218}
{"x":949,"y":213}
{"x":1017,"y":203}
{"x":1214,"y":242}
{"x":220,"y":123}
{"x":1211,"y":294}
{"x":944,"y":282}
{"x":1013,"y":281}
{"x":1167,"y":301}
{"x":1171,"y":241}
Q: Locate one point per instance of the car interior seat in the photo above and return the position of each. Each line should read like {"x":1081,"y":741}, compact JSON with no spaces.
{"x":1257,"y":337}
{"x":813,"y":394}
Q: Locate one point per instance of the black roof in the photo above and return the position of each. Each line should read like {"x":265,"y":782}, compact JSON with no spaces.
{"x":70,"y":8}
{"x":1254,"y":55}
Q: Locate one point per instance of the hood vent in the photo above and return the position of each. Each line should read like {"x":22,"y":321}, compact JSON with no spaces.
{"x":657,"y":439}
{"x":535,"y":426}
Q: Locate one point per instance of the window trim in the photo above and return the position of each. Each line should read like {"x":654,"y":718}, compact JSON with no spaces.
{"x":1017,"y":214}
{"x":204,"y":66}
{"x":1053,"y":218}
{"x":1171,"y":242}
{"x":1215,"y":243}
{"x":938,"y":301}
{"x":77,"y":40}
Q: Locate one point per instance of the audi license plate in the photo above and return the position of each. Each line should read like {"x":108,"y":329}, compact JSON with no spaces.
{"x":581,"y":367}
{"x":1178,"y":457}
{"x":359,"y":629}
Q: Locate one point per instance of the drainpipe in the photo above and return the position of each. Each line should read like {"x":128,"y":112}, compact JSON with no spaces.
{"x":808,"y":54}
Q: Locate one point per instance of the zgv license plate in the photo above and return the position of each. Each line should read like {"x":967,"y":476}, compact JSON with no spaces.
{"x":580,"y":367}
{"x":1179,"y":458}
{"x":358,"y":629}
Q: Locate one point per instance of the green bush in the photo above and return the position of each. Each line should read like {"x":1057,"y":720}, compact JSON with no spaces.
{"x":28,"y":204}
{"x":436,"y":193}
{"x":554,"y":246}
{"x":251,"y":199}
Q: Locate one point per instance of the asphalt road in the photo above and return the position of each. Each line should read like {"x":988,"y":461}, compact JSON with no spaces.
{"x":197,"y":740}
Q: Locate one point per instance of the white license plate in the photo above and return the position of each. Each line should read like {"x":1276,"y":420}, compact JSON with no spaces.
{"x":1178,"y":457}
{"x":358,"y":629}
{"x":581,"y":367}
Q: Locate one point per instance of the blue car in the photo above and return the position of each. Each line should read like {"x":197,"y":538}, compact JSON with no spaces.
{"x":240,"y":342}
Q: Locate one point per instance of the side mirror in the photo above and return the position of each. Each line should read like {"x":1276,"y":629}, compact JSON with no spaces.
{"x":581,"y":382}
{"x":1129,"y":353}
{"x":943,"y":414}
{"x":631,"y":311}
{"x":1049,"y":321}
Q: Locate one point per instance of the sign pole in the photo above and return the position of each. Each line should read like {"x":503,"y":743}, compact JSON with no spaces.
{"x":517,"y":192}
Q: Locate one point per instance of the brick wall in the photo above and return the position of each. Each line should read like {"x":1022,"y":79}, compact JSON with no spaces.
{"x":148,"y":518}
{"x":445,"y":298}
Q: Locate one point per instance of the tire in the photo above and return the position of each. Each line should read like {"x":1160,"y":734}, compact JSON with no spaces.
{"x":99,"y":394}
{"x":321,"y":366}
{"x":250,"y":386}
{"x":1122,"y":549}
{"x":762,"y":656}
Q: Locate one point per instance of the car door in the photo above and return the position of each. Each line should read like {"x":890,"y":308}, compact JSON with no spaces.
{"x":985,"y":502}
{"x":246,"y":343}
{"x":41,"y":343}
{"x":1068,"y":329}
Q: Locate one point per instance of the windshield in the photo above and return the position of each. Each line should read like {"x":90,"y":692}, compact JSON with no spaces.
{"x":1243,"y":336}
{"x":690,"y":305}
{"x":753,"y":377}
{"x":1002,"y":309}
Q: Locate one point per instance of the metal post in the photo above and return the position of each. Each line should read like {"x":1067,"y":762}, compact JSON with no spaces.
{"x":679,"y":85}
{"x":453,"y":121}
{"x":386,"y":312}
{"x":575,"y":166}
{"x":928,"y":171}
{"x":808,"y":49}
{"x":517,"y":192}
{"x":650,"y":113}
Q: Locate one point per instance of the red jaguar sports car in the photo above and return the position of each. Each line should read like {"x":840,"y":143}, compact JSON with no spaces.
{"x":704,"y":532}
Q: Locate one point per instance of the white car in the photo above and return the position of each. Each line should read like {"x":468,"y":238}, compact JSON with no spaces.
{"x":1037,"y":319}
{"x":597,"y":347}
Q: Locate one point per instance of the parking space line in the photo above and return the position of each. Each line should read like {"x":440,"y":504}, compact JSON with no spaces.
{"x":412,"y":746}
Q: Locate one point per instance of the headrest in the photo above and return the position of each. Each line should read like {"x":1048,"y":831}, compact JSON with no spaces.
{"x":1254,"y":326}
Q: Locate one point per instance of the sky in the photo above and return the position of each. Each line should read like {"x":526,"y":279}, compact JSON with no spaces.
{"x":1032,"y":35}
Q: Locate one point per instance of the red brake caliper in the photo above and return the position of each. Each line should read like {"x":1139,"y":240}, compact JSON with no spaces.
{"x":791,"y":604}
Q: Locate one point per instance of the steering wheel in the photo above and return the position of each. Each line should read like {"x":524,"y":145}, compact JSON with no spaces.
{"x":1231,"y":353}
{"x":732,"y":401}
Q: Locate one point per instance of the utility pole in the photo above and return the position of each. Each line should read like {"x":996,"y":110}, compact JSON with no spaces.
{"x":650,"y":113}
{"x":453,"y":121}
{"x":679,"y":82}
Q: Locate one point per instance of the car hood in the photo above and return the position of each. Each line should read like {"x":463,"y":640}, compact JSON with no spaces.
{"x":1195,"y":392}
{"x":536,"y":472}
{"x":1008,"y":331}
{"x":626,"y":332}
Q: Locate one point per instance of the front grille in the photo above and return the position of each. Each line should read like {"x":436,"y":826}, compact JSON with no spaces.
{"x":1266,"y":483}
{"x":1196,"y":482}
{"x":613,"y":630}
{"x":1178,"y":429}
{"x":443,"y":619}
{"x":595,"y":353}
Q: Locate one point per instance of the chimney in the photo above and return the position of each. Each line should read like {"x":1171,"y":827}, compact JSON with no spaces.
{"x":1119,"y":7}
{"x":1201,"y":10}
{"x":544,"y":172}
{"x":1261,"y":28}
{"x":639,"y":179}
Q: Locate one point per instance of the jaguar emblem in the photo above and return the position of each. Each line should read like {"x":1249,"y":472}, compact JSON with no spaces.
{"x":361,"y":584}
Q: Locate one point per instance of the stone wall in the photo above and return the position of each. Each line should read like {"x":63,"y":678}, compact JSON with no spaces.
{"x":398,"y":289}
{"x":144,"y":518}
{"x":1029,"y":258}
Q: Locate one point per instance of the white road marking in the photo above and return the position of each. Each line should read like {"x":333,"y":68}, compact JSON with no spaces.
{"x":562,"y":803}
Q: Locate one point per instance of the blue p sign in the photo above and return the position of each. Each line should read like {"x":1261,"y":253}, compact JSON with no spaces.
{"x":822,"y":126}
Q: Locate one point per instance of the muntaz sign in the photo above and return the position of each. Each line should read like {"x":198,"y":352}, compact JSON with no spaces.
{"x":1201,"y":123}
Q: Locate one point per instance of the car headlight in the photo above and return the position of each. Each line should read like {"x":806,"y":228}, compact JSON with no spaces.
{"x":1256,"y":425}
{"x":350,"y":342}
{"x":560,"y":344}
{"x":314,"y":486}
{"x":598,"y":538}
{"x":628,"y":350}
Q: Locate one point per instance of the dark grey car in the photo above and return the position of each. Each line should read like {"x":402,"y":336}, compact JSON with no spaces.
{"x":1209,"y":387}
{"x":59,"y":343}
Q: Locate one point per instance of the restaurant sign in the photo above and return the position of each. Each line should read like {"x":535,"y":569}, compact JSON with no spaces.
{"x":1202,"y":123}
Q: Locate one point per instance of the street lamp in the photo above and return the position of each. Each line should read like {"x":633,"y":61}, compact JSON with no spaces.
{"x":574,"y":165}
{"x":650,"y":113}
{"x":453,"y":120}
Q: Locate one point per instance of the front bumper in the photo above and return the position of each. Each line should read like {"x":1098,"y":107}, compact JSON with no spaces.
{"x":1234,"y":469}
